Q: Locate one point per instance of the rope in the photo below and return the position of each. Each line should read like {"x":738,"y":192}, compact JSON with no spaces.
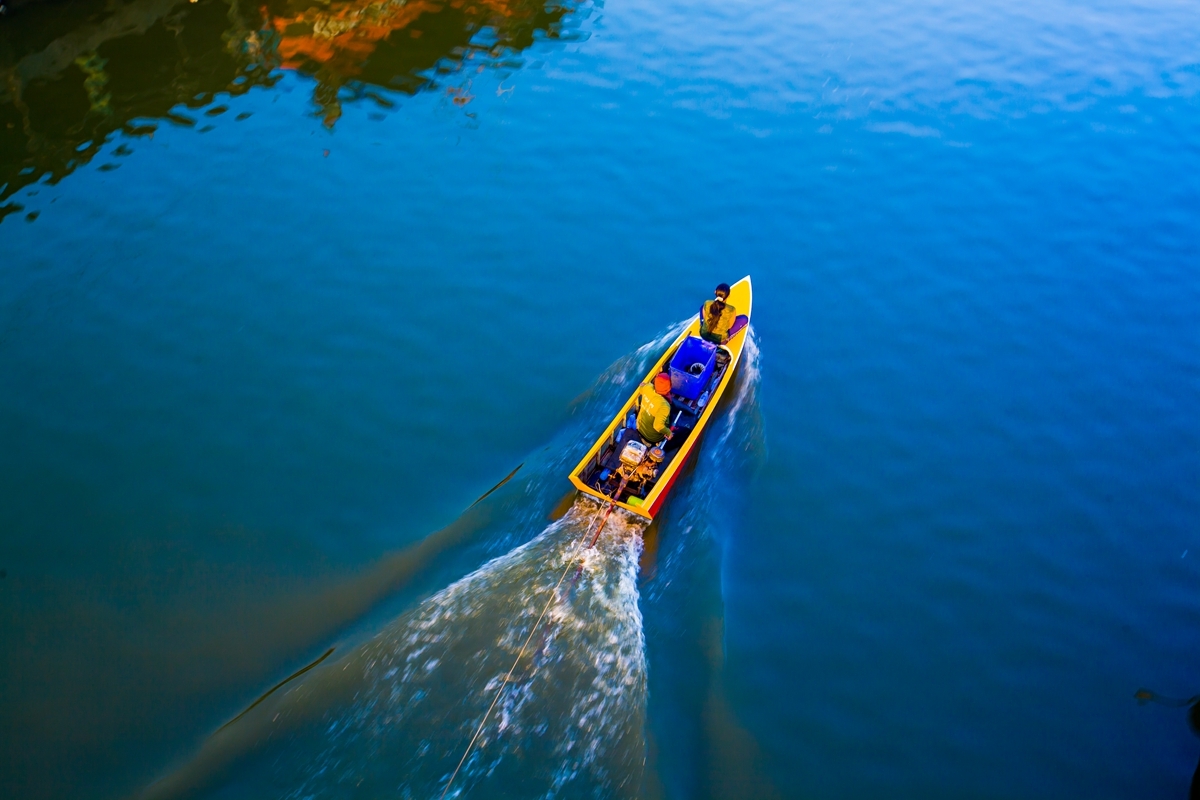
{"x":528,"y":639}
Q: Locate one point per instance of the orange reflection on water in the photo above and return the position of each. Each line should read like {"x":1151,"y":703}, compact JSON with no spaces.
{"x":73,"y":75}
{"x":335,"y":41}
{"x":344,"y":34}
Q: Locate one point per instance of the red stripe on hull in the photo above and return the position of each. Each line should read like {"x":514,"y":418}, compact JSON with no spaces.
{"x":681,"y":460}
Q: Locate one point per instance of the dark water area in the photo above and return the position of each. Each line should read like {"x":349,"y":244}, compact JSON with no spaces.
{"x":286,"y":287}
{"x":80,"y":72}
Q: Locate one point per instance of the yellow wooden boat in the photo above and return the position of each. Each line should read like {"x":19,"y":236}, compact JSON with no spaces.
{"x":623,"y":469}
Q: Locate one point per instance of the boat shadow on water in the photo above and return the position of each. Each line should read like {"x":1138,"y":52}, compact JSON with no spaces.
{"x":399,"y":710}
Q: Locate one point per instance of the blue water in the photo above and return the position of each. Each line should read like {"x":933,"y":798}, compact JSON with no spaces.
{"x":947,"y":525}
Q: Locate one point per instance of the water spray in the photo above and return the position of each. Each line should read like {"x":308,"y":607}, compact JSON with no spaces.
{"x":533,"y":630}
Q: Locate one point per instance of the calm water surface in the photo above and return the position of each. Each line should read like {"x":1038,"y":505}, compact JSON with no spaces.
{"x":285,"y":287}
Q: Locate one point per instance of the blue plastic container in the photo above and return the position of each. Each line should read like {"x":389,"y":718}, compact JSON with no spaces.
{"x":692,"y":366}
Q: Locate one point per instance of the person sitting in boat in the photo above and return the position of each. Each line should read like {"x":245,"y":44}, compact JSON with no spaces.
{"x":654,"y":409}
{"x":717,"y":317}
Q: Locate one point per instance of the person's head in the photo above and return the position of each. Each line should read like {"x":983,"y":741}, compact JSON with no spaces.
{"x":722,"y":293}
{"x":662,"y":383}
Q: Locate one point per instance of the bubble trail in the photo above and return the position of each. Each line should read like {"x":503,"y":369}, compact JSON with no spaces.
{"x":572,"y":726}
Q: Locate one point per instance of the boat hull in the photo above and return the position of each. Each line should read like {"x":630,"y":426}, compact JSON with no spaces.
{"x":741,"y":298}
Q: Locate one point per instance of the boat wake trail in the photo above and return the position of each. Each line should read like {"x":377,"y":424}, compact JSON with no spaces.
{"x":568,"y":722}
{"x":706,"y":510}
{"x":394,"y":716}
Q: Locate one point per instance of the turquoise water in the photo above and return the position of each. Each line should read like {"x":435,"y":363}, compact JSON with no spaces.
{"x":275,"y":310}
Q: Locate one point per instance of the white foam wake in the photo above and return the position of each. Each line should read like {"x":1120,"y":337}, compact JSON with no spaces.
{"x":568,"y":724}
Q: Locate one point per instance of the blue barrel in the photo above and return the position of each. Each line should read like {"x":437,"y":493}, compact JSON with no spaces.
{"x":692,"y":366}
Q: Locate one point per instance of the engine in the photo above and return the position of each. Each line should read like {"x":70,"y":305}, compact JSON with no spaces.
{"x":639,"y":463}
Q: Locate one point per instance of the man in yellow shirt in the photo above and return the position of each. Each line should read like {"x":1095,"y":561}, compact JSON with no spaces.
{"x":654,"y":409}
{"x":717,"y":317}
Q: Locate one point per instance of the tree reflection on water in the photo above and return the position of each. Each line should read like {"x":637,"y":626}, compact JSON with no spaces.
{"x":73,"y":74}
